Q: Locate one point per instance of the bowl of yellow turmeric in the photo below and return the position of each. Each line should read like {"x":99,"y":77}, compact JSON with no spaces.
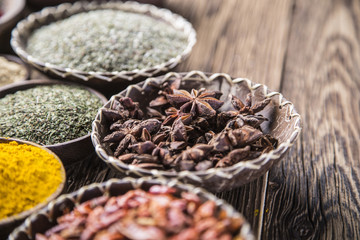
{"x":30,"y":177}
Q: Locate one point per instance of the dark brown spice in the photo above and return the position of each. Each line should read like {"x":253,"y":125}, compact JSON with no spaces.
{"x":187,"y":131}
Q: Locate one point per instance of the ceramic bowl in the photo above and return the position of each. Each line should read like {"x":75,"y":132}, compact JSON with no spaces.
{"x":69,"y":151}
{"x":45,"y":219}
{"x":108,"y":82}
{"x":283,"y":124}
{"x":8,"y":224}
{"x":11,"y":13}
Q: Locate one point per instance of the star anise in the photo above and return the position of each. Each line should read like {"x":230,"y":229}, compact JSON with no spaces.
{"x":120,"y":124}
{"x":191,"y":135}
{"x":246,"y":108}
{"x":245,"y":114}
{"x":163,"y":135}
{"x":190,"y":158}
{"x":173,"y":114}
{"x":137,"y":158}
{"x":123,"y":109}
{"x":164,"y":88}
{"x":240,"y":137}
{"x":197,"y":152}
{"x":239,"y":120}
{"x":149,"y":147}
{"x":130,"y":134}
{"x":234,"y":157}
{"x":265,"y":144}
{"x":199,"y":103}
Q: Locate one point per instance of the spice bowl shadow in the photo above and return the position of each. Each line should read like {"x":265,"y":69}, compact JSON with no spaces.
{"x":8,"y":224}
{"x":45,"y":219}
{"x":110,"y":82}
{"x":283,"y":124}
{"x":70,"y":151}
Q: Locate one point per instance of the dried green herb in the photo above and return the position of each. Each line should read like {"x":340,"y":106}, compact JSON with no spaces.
{"x":107,"y":41}
{"x":48,"y":114}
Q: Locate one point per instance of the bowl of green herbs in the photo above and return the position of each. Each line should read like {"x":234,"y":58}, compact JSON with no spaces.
{"x":54,"y":114}
{"x":132,"y":41}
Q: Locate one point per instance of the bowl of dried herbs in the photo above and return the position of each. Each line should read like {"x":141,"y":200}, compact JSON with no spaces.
{"x":130,"y":208}
{"x":107,"y":45}
{"x":31,"y":176}
{"x":54,"y":114}
{"x":210,"y":130}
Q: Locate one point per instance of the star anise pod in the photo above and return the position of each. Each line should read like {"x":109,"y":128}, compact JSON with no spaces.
{"x":191,"y":135}
{"x":188,"y":159}
{"x":120,"y":124}
{"x":178,"y":131}
{"x":246,"y":108}
{"x":123,"y":109}
{"x":164,"y":88}
{"x":199,"y":103}
{"x":173,"y":114}
{"x":130,"y":134}
{"x":139,"y":158}
{"x":161,"y":151}
{"x":245,"y":114}
{"x":265,"y":144}
{"x":163,"y":135}
{"x":234,"y":157}
{"x":240,"y":120}
{"x":197,"y":152}
{"x":149,"y":147}
{"x":232,"y":138}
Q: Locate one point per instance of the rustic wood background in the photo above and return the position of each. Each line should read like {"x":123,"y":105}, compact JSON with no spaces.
{"x":309,"y":51}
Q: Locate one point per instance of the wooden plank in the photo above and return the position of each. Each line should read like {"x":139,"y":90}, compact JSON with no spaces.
{"x":244,"y":39}
{"x":314,"y":193}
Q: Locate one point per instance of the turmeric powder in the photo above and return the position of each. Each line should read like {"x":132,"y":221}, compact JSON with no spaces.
{"x":28,"y":176}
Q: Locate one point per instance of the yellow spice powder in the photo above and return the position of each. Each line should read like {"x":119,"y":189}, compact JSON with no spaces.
{"x":28,"y":176}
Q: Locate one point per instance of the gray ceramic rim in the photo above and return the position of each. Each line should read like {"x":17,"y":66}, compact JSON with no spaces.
{"x":104,"y":187}
{"x":178,"y":22}
{"x":256,"y":166}
{"x":58,"y":191}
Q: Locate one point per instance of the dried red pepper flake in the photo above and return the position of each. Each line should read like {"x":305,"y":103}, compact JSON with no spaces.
{"x":162,"y":212}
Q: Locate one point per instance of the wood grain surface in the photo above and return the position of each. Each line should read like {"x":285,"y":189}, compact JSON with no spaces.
{"x":314,"y":193}
{"x":309,"y":51}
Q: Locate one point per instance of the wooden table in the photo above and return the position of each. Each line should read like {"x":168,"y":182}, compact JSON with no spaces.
{"x":309,"y":51}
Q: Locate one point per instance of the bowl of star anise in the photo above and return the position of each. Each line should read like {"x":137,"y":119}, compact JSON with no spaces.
{"x":141,"y":208}
{"x":209,"y":130}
